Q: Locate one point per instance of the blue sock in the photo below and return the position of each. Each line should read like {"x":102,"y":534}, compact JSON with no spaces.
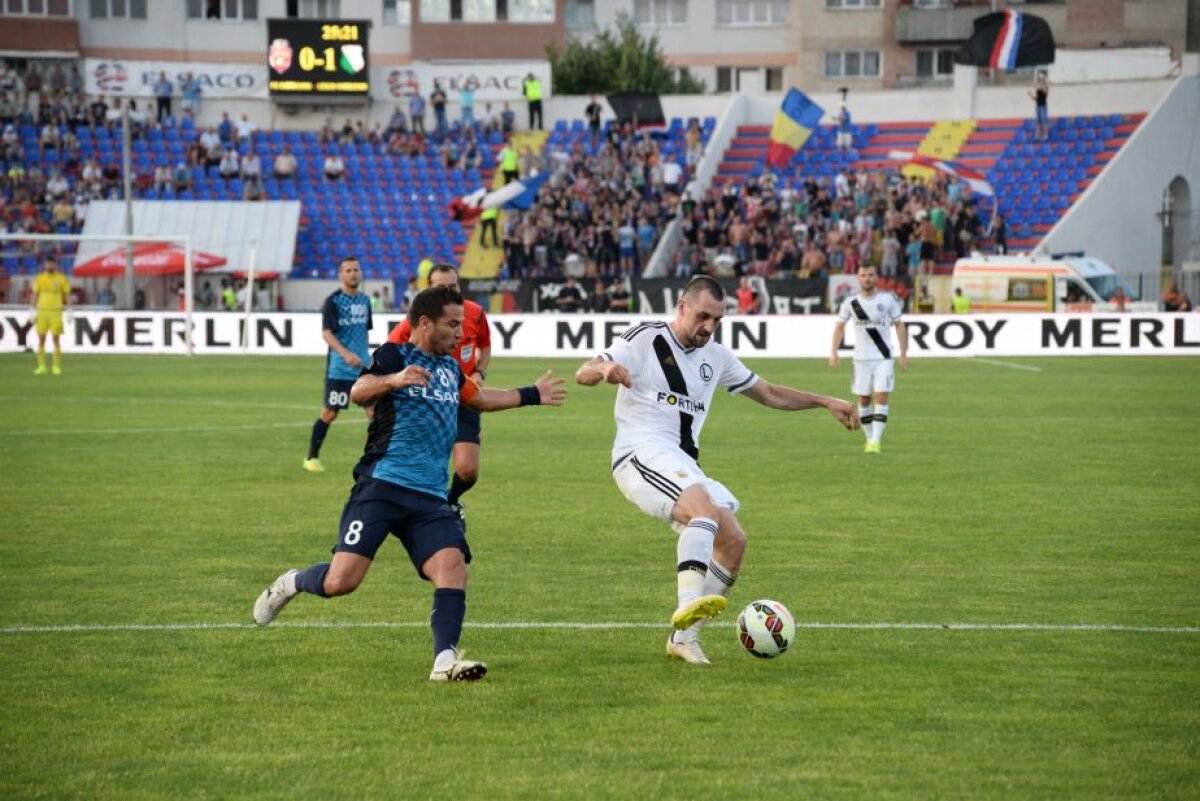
{"x":312,"y":579}
{"x":446,"y":617}
{"x":320,"y":428}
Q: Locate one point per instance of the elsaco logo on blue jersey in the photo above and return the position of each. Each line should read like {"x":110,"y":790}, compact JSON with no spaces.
{"x":683,"y":402}
{"x":442,"y":388}
{"x":358,"y":316}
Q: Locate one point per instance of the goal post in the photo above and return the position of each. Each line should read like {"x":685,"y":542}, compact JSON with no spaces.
{"x":27,"y":252}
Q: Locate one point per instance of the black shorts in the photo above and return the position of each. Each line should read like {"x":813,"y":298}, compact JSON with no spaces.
{"x":423,"y":524}
{"x":927,"y":251}
{"x":468,"y":425}
{"x":337,"y":393}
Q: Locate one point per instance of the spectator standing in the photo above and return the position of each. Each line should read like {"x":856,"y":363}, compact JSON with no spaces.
{"x":225,"y":129}
{"x":509,"y":166}
{"x":190,"y":92}
{"x":466,"y":103}
{"x":488,"y":221}
{"x":592,"y":112}
{"x":533,"y":96}
{"x":163,"y":89}
{"x":437,"y":99}
{"x":507,"y":121}
{"x":245,"y":129}
{"x":416,"y":112}
{"x":1000,"y":233}
{"x":845,"y":129}
{"x":1041,"y":98}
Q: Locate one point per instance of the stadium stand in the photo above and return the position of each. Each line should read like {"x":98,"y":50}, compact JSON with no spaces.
{"x":389,"y":208}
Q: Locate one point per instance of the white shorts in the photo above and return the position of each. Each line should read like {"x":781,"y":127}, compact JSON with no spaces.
{"x":652,"y":479}
{"x":874,"y":376}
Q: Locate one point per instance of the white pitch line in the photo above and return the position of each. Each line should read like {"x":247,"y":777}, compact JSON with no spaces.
{"x":1067,"y":627}
{"x":169,"y":402}
{"x":1010,"y":365}
{"x":147,"y":430}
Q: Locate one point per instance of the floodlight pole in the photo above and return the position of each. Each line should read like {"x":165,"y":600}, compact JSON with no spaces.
{"x":249,"y":295}
{"x":189,"y":292}
{"x":127,"y":182}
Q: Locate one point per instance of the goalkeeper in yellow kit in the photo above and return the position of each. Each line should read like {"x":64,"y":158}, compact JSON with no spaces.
{"x":50,"y":294}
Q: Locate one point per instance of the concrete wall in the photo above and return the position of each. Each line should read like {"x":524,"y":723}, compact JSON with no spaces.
{"x":1116,"y":220}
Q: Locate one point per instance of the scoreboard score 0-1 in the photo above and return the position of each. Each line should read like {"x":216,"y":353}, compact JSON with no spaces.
{"x":312,"y":59}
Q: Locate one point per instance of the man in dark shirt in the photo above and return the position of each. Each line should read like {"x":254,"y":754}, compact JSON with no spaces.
{"x":592,"y":112}
{"x":570,"y":299}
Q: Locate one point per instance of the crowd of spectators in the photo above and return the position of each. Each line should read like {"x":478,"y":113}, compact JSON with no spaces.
{"x":811,"y":227}
{"x":603,"y":207}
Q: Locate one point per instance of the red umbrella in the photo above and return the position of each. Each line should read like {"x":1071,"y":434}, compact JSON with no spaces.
{"x":149,"y":258}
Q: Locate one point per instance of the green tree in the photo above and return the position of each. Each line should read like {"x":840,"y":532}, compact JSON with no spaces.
{"x":616,"y":60}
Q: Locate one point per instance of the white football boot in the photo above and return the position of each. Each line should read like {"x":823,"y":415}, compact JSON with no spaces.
{"x":456,"y":668}
{"x":273,"y":599}
{"x":685,"y":645}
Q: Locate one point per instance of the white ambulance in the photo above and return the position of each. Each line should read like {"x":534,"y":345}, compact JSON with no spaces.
{"x":1042,"y":282}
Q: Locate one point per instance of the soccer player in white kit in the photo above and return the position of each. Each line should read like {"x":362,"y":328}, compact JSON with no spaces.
{"x":874,"y":313}
{"x":667,"y":374}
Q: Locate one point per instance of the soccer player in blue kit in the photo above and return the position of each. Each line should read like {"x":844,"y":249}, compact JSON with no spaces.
{"x":345,"y":326}
{"x":400,"y":482}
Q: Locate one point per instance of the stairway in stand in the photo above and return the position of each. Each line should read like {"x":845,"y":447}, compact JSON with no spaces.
{"x":481,"y":262}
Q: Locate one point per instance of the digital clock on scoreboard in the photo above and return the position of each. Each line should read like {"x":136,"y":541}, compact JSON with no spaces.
{"x":318,"y":58}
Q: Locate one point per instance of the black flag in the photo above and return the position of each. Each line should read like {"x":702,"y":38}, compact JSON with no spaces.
{"x":1007,"y":40}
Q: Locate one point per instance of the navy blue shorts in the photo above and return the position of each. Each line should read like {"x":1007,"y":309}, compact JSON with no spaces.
{"x":337,"y":393}
{"x":468,"y":425}
{"x":423,"y":523}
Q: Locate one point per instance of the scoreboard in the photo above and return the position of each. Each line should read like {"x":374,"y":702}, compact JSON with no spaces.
{"x":311,"y":59}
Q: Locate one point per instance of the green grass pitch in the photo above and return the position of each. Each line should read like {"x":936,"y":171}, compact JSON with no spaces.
{"x":161,"y":491}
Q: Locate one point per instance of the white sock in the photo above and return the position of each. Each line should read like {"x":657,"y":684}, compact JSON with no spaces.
{"x":694,"y":550}
{"x":719,"y":579}
{"x":289,"y":584}
{"x":880,"y":422}
{"x":442,"y":660}
{"x":864,"y":417}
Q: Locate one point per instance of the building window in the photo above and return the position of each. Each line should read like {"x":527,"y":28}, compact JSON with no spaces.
{"x":724,"y":79}
{"x":774,"y":79}
{"x":225,"y":9}
{"x":752,"y":12}
{"x":937,"y":62}
{"x":933,"y":3}
{"x":115,"y":9}
{"x":487,"y":10}
{"x":660,"y":12}
{"x":397,"y":12}
{"x":853,"y":3}
{"x":530,"y":10}
{"x":581,"y":13}
{"x":852,"y":64}
{"x":38,"y":8}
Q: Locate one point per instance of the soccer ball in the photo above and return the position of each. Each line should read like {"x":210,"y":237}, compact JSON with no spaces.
{"x":766,"y":628}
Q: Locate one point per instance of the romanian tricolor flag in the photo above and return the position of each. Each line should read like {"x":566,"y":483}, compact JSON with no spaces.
{"x":795,"y":121}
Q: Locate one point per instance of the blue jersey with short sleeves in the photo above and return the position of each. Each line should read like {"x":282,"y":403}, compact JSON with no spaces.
{"x":349,"y":318}
{"x":413,"y":429}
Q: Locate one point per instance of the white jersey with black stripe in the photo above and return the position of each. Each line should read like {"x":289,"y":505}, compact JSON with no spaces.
{"x":672,"y":390}
{"x":882,"y":310}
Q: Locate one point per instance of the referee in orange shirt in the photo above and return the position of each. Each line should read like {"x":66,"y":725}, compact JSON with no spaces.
{"x":473,"y":354}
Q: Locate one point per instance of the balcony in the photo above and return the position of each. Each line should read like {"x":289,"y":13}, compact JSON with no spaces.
{"x":934,"y":21}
